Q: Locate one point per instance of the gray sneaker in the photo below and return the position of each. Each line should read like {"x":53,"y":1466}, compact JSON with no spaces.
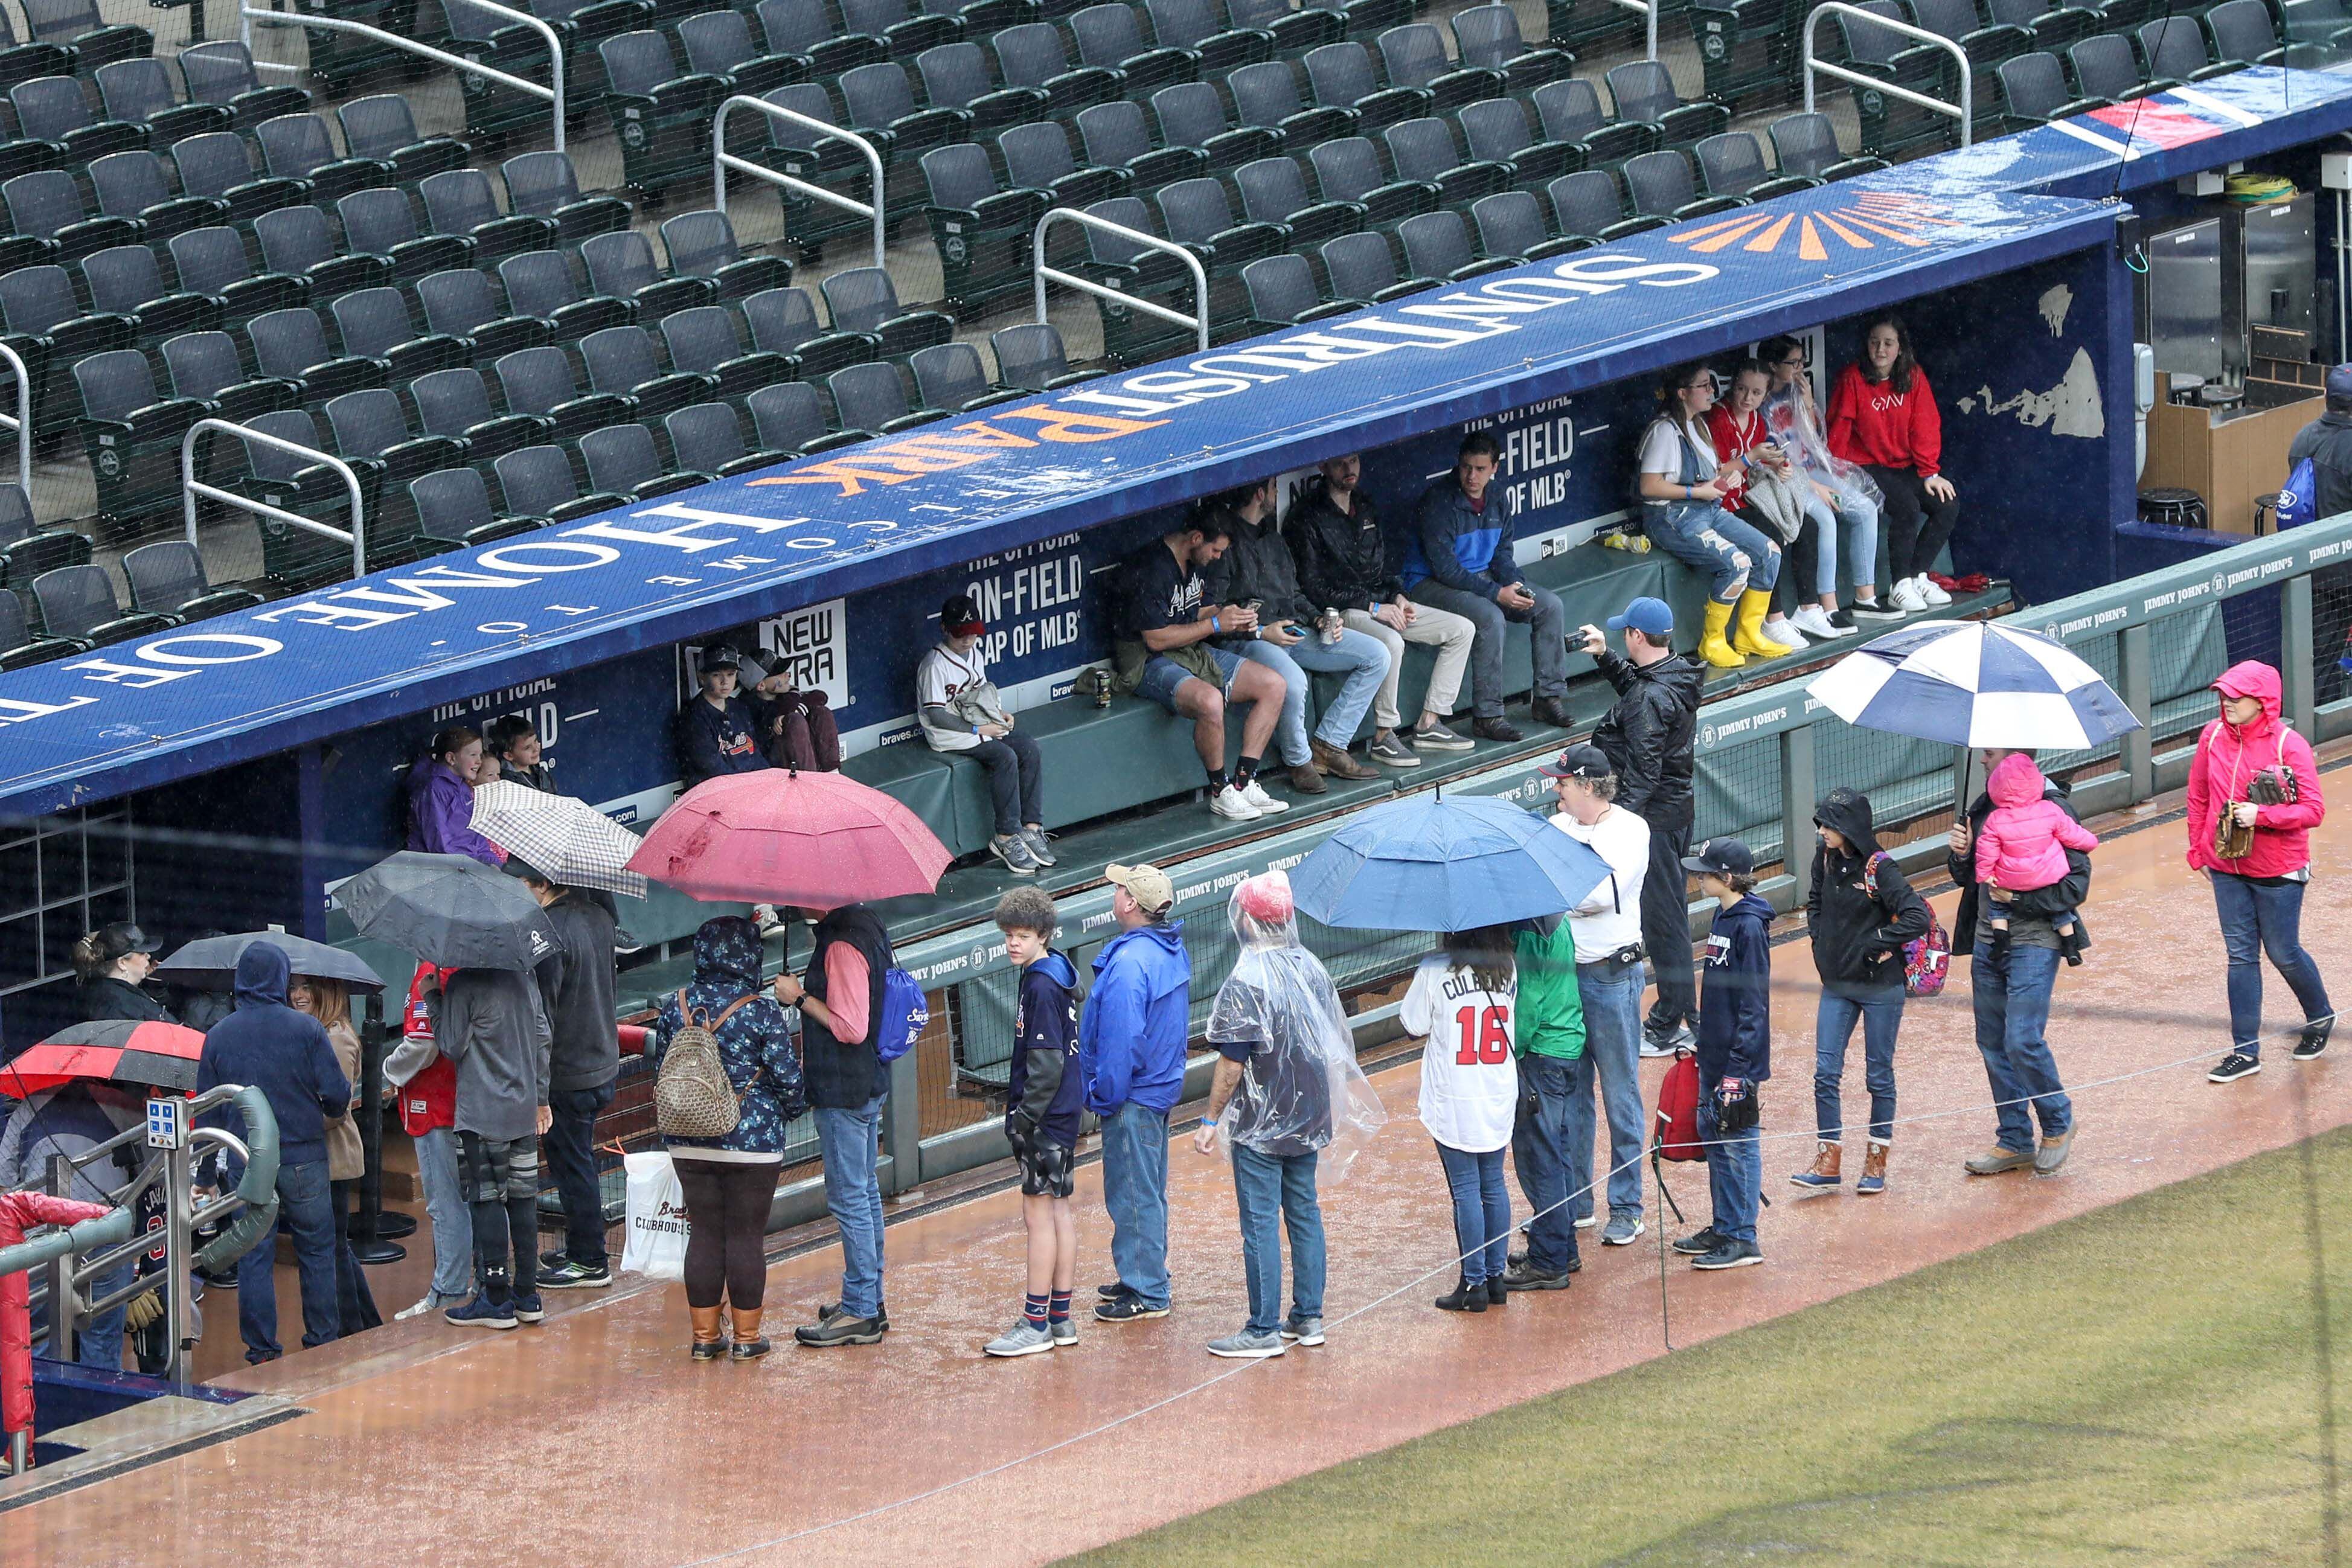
{"x":1438,"y":736}
{"x":1305,"y":1331}
{"x":1013,"y":851}
{"x":1390,"y":752}
{"x":1023,"y":1338}
{"x":1624,"y":1229}
{"x":1248,"y":1346}
{"x":1064,"y":1333}
{"x":1039,"y":851}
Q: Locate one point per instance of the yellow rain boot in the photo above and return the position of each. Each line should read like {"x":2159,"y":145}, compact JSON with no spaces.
{"x":1711,"y":646}
{"x":1749,"y":638}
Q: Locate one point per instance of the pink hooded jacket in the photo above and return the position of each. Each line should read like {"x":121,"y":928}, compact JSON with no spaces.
{"x":2228,"y":756}
{"x":2025,"y":840}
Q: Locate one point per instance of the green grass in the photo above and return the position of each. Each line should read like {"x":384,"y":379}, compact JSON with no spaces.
{"x":2139,"y":1385}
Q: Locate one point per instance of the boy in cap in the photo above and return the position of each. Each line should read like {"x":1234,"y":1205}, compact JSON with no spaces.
{"x":1044,"y":1092}
{"x":1735,"y":1052}
{"x":960,"y":711}
{"x":1131,"y":1053}
{"x":717,"y":732}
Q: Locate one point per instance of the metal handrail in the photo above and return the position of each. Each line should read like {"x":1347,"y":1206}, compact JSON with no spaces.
{"x":22,"y":424}
{"x":552,"y":94}
{"x":1962,"y":113}
{"x":1648,"y":10}
{"x":1040,"y":273}
{"x":191,"y":487}
{"x":721,"y":160}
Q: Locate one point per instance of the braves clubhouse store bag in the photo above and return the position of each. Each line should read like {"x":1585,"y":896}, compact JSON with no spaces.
{"x":656,"y":1220}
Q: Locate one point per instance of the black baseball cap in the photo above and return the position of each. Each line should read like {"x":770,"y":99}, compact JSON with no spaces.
{"x":959,"y":617}
{"x":1724,"y":857}
{"x":1584,"y":760}
{"x":721,"y":657}
{"x":123,"y":937}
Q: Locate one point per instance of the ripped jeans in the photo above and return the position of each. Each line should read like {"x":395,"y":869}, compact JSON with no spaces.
{"x":1709,"y":539}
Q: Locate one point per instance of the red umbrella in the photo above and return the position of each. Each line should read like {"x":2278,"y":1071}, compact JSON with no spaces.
{"x":123,"y":1051}
{"x":779,"y":836}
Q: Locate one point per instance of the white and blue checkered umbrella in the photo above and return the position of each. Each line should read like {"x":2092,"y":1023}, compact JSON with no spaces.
{"x":1974,"y":684}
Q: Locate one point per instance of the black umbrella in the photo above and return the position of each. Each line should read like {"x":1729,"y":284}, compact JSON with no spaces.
{"x":449,"y":910}
{"x":209,"y":963}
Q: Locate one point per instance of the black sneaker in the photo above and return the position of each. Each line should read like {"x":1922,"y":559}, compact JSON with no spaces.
{"x":840,"y":1329}
{"x":2235,"y":1066}
{"x":1520,"y":1277}
{"x":1550,"y":711}
{"x":2314,"y":1039}
{"x":1730,"y":1255}
{"x":1500,"y":729}
{"x":1699,"y":1244}
{"x":832,"y":1309}
{"x":570,"y":1274}
{"x":1113,"y":1290}
{"x":1128,"y":1308}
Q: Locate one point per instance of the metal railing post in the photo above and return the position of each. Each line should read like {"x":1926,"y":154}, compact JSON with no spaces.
{"x":23,"y":422}
{"x":1649,"y":11}
{"x":1040,"y":272}
{"x":2296,"y":635}
{"x":552,"y":94}
{"x":721,"y":160}
{"x":1964,"y":112}
{"x":1797,"y":798}
{"x":190,"y":487}
{"x":2137,"y":660}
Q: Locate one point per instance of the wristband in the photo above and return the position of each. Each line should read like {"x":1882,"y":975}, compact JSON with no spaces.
{"x":1216,"y":623}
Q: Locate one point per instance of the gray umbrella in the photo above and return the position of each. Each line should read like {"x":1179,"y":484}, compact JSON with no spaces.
{"x":448,"y":910}
{"x":209,"y":964}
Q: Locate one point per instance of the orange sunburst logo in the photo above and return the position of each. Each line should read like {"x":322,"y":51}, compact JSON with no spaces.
{"x":1870,"y":219}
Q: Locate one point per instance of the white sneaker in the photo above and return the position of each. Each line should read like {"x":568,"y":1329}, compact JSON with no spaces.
{"x":1815,"y":623}
{"x":1907,"y":597}
{"x":1930,"y":591}
{"x":1266,"y":804}
{"x":1231,"y":802}
{"x":1782,"y":630}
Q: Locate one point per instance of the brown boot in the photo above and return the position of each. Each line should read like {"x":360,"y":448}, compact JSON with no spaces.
{"x":710,"y":1339}
{"x":1335,"y":762}
{"x":1306,"y":781}
{"x":1874,"y":1171}
{"x":749,"y":1342}
{"x":1823,"y":1176}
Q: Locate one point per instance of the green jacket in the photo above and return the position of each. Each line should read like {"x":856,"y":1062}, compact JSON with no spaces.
{"x":1550,"y":1020}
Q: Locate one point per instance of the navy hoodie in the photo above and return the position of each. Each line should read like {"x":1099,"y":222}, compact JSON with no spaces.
{"x":280,"y":1051}
{"x":1735,"y":1004}
{"x":1044,"y":1088}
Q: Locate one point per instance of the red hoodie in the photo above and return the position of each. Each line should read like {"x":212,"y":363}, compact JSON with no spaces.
{"x":2228,"y":756}
{"x":1870,"y":422}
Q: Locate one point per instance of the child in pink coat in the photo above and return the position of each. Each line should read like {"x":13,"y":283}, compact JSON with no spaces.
{"x":2025,"y":842}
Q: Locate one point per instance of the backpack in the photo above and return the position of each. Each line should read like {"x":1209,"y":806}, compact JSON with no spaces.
{"x":1927,"y":959}
{"x":2299,"y":503}
{"x":906,"y":1013}
{"x":1676,"y":1136}
{"x":693,"y":1097}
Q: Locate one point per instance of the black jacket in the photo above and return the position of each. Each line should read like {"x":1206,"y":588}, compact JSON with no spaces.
{"x":846,"y":1077}
{"x":1257,"y":565}
{"x":1858,"y":936}
{"x":1648,"y":734}
{"x":577,"y":983}
{"x":2056,"y":899}
{"x":108,"y":997}
{"x":2327,"y":442}
{"x":1342,"y":557}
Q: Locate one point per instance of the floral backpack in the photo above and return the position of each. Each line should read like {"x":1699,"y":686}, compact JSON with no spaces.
{"x":1927,"y":960}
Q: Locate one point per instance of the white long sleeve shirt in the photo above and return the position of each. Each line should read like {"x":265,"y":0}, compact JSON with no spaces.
{"x":1610,"y":918}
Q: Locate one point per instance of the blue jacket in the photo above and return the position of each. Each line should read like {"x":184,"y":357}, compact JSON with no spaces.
{"x":1460,"y":548}
{"x":1138,"y":1016}
{"x":281,"y":1051}
{"x":754,"y":1044}
{"x":1735,"y":1004}
{"x":1044,"y":1089}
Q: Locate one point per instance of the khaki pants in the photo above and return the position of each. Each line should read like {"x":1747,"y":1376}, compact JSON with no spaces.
{"x":1449,"y":633}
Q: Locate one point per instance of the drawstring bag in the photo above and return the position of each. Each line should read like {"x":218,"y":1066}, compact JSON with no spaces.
{"x":693,"y":1097}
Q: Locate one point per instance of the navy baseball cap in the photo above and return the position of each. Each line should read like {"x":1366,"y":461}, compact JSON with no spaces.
{"x":1582,"y":762}
{"x":2339,"y":383}
{"x":1650,"y":617}
{"x":1724,"y":857}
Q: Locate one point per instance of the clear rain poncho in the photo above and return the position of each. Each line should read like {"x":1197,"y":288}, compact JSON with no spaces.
{"x":1301,"y":1090}
{"x":1796,"y":424}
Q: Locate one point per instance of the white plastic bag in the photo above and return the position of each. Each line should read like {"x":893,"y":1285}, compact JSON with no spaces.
{"x":656,"y":1218}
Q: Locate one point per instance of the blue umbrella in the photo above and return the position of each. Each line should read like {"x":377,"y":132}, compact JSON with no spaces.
{"x":1429,"y":863}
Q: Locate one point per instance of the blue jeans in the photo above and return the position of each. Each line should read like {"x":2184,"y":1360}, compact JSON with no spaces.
{"x":1612,"y":995}
{"x":1135,"y":1191}
{"x":852,"y":1193}
{"x":452,"y":1216}
{"x":1731,"y":554}
{"x":302,"y":1206}
{"x":2011,"y":995}
{"x":1881,"y":1017}
{"x":1363,"y":660}
{"x":1735,"y":1170}
{"x":1847,"y":531}
{"x":1268,"y":1190}
{"x":1539,"y":1148}
{"x":2256,"y":920}
{"x":1482,"y":1212}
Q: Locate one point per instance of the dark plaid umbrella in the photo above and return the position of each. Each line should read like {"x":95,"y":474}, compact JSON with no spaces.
{"x":118,"y":1051}
{"x":449,"y":910}
{"x":209,"y":963}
